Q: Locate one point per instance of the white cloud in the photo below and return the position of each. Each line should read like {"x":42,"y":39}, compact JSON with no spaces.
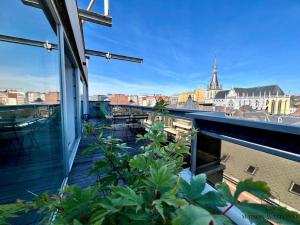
{"x":99,"y":84}
{"x":25,"y":82}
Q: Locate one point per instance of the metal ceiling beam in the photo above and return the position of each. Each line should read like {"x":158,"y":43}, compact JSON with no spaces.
{"x":82,"y":13}
{"x":95,"y":17}
{"x":29,"y":42}
{"x":109,"y":55}
{"x":91,"y":5}
{"x":32,"y":3}
{"x":89,"y":8}
{"x":49,"y":46}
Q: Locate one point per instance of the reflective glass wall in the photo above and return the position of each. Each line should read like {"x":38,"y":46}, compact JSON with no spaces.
{"x":30,"y":106}
{"x":71,"y":107}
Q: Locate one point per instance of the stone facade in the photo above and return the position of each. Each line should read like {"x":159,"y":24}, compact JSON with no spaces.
{"x":273,"y":99}
{"x":269,"y":98}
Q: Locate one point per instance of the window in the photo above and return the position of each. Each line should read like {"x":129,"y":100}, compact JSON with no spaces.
{"x":295,"y":188}
{"x":251,"y":170}
{"x":225,"y":157}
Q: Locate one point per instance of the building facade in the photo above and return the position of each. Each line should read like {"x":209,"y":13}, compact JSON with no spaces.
{"x":99,"y":98}
{"x":173,"y":100}
{"x":52,"y":97}
{"x":3,"y":98}
{"x":197,"y":95}
{"x":270,"y":98}
{"x":119,"y":99}
{"x":183,"y":97}
{"x":33,"y":97}
{"x":12,"y":97}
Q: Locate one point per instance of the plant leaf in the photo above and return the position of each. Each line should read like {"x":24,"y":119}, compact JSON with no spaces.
{"x":211,"y":199}
{"x":88,"y":150}
{"x":159,"y":208}
{"x":197,"y":186}
{"x":98,"y":166}
{"x":192,"y":215}
{"x":194,"y":190}
{"x":260,"y":213}
{"x":257,"y":188}
{"x":222,"y":220}
{"x":138,"y":162}
{"x":224,"y":191}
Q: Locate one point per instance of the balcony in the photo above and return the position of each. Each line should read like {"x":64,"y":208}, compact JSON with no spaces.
{"x":24,"y":126}
{"x":217,"y":137}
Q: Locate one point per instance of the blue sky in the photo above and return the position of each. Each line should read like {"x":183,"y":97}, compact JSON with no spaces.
{"x":256,"y":42}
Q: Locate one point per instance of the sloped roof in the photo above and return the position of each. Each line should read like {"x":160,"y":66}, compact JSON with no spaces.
{"x":277,"y":172}
{"x":260,"y":90}
{"x":190,"y":104}
{"x":221,"y":94}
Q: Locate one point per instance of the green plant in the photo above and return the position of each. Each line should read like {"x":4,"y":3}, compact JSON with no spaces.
{"x":146,"y":188}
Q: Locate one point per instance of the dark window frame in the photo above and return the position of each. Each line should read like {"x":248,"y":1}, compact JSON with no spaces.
{"x":254,"y":169}
{"x":224,"y":158}
{"x":291,"y":188}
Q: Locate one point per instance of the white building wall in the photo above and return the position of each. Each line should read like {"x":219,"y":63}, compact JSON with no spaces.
{"x":256,"y":102}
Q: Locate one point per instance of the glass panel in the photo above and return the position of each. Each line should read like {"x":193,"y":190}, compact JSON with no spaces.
{"x":30,"y":112}
{"x":81,"y":98}
{"x":71,"y":104}
{"x":26,"y":22}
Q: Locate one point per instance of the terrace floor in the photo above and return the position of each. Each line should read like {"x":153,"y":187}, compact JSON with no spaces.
{"x":82,"y":164}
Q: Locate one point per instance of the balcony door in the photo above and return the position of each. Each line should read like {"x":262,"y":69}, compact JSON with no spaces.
{"x":71,"y":107}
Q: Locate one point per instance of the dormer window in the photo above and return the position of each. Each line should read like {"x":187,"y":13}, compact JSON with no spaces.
{"x":251,"y":169}
{"x":225,"y":157}
{"x":295,"y":188}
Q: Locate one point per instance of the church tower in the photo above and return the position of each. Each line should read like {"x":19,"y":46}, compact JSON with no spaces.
{"x":214,"y":86}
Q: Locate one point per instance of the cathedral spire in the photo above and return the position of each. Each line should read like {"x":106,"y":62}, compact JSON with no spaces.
{"x":214,"y":84}
{"x":215,"y":64}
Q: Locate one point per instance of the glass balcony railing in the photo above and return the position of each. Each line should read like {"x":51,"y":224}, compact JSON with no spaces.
{"x":30,"y":156}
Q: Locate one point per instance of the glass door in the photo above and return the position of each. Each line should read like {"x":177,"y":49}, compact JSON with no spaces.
{"x":71,"y":120}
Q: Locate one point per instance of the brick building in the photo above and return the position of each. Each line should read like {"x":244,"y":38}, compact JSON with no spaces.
{"x":119,"y":99}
